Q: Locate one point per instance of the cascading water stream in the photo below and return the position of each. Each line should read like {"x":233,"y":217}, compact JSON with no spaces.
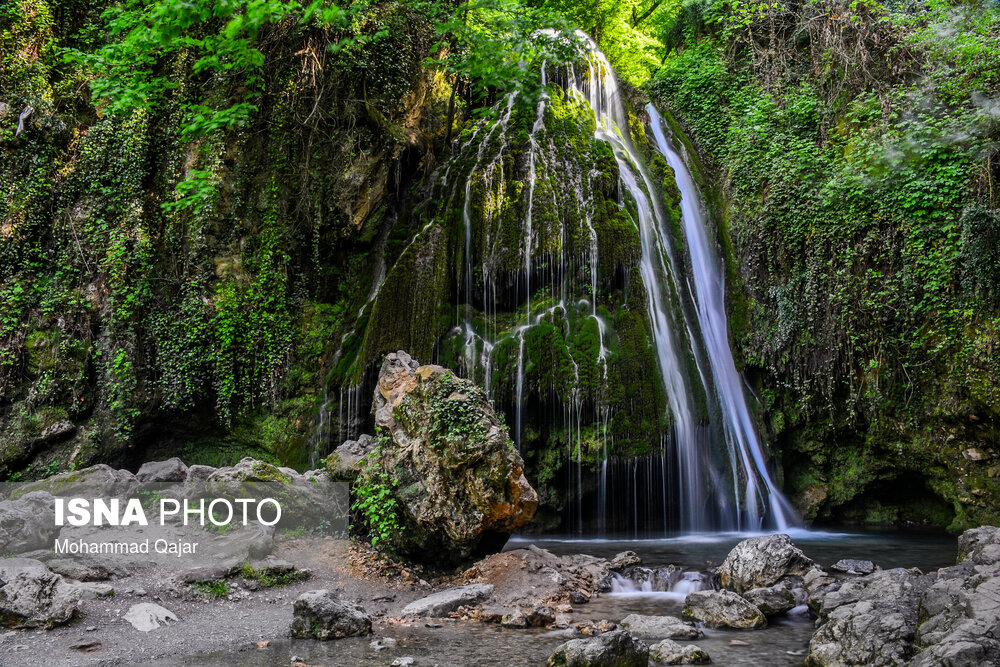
{"x":657,"y":268}
{"x":709,"y":294}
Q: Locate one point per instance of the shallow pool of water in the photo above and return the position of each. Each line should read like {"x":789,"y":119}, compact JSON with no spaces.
{"x":454,"y":643}
{"x":928,"y":551}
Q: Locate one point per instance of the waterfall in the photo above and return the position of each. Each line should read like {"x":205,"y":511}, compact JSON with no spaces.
{"x":659,"y":271}
{"x":548,"y":337}
{"x":709,"y":294}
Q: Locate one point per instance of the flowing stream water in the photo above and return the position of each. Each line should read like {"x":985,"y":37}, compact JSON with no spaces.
{"x":762,"y":504}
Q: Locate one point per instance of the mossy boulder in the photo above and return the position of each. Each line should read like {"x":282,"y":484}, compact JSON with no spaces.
{"x":457,"y":479}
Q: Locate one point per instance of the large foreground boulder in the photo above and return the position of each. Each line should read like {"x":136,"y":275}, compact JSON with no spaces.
{"x":869,"y":620}
{"x":457,"y":480}
{"x":722,"y":609}
{"x":893,"y":617}
{"x":762,"y":561}
{"x":34,"y":597}
{"x":612,"y":649}
{"x":323,"y":615}
{"x":960,"y":612}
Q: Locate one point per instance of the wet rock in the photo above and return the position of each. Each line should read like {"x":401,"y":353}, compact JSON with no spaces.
{"x":869,"y":620}
{"x":172,"y":470}
{"x":660,"y":626}
{"x":852,"y":566}
{"x":34,"y":597}
{"x":532,"y":576}
{"x":459,"y":483}
{"x":540,"y":616}
{"x":960,"y":610}
{"x":772,"y":600}
{"x":669,"y":652}
{"x":762,"y":561}
{"x":444,"y":602}
{"x":27,"y":523}
{"x":147,"y":616}
{"x":578,"y":597}
{"x":323,"y":615}
{"x":514,"y":619}
{"x":612,"y":649}
{"x":722,"y":609}
{"x":623,"y":560}
{"x":492,"y":613}
{"x":344,"y":463}
{"x":980,"y":545}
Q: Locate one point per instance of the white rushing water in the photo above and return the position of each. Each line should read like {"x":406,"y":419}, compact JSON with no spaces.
{"x":709,"y":295}
{"x":658,"y":268}
{"x":762,"y":502}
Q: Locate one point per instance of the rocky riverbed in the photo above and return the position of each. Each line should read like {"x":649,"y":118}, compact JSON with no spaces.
{"x":523,"y":606}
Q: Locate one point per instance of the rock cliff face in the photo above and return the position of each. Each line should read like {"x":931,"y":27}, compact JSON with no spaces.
{"x":457,"y":479}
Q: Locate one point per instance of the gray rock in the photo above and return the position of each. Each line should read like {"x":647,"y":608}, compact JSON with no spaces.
{"x":172,"y":470}
{"x":305,"y":498}
{"x":93,"y":482}
{"x":91,"y":570}
{"x":459,"y":491}
{"x":345,"y":461}
{"x":27,"y":523}
{"x":669,"y":652}
{"x":323,"y":615}
{"x":92,"y":590}
{"x":34,"y":597}
{"x":722,"y":609}
{"x":612,"y":649}
{"x":382,"y":643}
{"x":197,"y":475}
{"x":56,"y":431}
{"x":869,"y":620}
{"x":147,"y":616}
{"x":660,"y":626}
{"x":960,"y":611}
{"x":443,"y":602}
{"x":515,"y":618}
{"x":771,"y":600}
{"x":762,"y":561}
{"x":623,"y":560}
{"x":852,"y":566}
{"x":981,"y":545}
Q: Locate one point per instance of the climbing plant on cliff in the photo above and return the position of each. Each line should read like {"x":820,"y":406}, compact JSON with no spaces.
{"x":856,"y":145}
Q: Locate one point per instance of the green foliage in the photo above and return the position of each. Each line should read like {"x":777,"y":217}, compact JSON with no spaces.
{"x":217,"y":588}
{"x":855,"y":147}
{"x":374,"y":498}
